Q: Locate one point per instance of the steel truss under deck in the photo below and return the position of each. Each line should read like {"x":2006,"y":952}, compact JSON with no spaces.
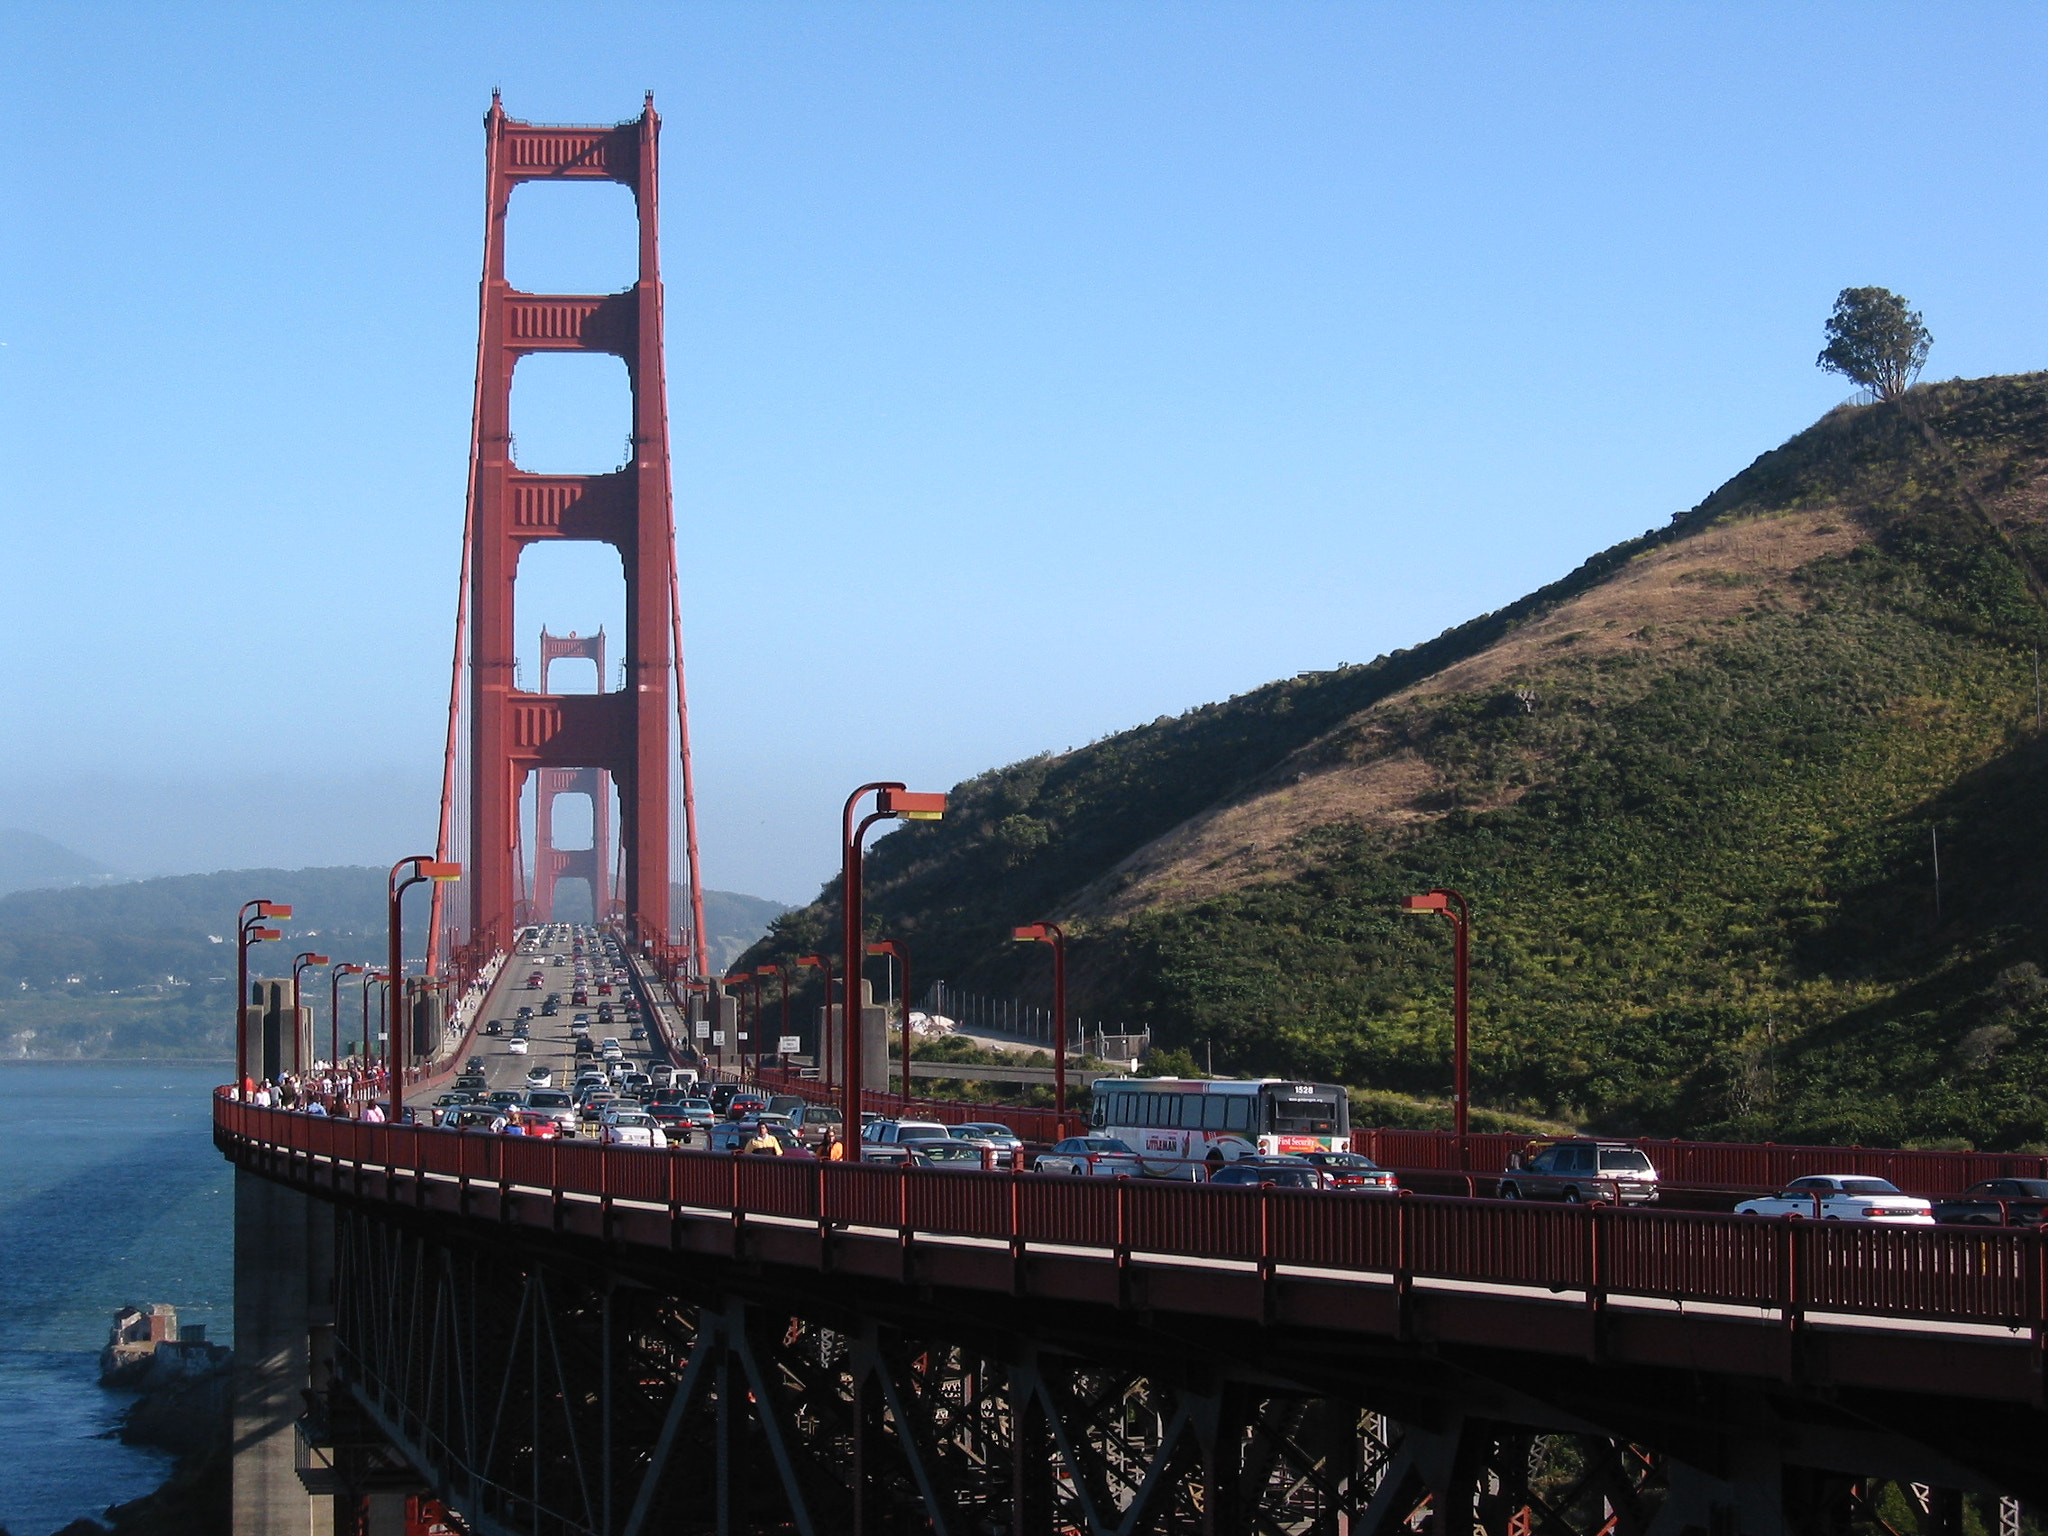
{"x":551,"y":1393}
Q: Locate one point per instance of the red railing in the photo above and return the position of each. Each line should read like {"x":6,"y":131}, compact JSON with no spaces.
{"x":1719,"y":1164}
{"x":1948,"y":1274}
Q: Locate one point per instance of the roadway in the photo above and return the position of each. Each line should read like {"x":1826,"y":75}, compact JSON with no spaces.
{"x":552,"y":1043}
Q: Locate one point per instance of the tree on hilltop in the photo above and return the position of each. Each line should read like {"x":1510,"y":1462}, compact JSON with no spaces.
{"x":1876,"y":341}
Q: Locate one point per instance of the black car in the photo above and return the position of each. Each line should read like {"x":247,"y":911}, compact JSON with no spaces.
{"x":1348,"y":1170}
{"x":1996,"y":1203}
{"x":1281,"y":1172}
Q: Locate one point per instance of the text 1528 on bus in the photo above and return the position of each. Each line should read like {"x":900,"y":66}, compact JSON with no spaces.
{"x":1186,"y":1125}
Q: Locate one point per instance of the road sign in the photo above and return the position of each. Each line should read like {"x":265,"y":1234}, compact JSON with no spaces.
{"x":718,"y":1037}
{"x":703,"y":1029}
{"x":789,"y":1044}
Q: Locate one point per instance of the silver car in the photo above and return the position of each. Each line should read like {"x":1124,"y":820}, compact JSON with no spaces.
{"x":1100,"y":1157}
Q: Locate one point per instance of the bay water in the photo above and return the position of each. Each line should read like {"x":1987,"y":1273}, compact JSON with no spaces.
{"x":111,"y":1193}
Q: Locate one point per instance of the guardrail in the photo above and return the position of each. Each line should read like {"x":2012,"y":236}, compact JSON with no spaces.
{"x":1717,"y":1164}
{"x":1787,"y":1266}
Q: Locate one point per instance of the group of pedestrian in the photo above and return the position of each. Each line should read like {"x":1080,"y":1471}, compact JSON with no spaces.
{"x":348,"y":1090}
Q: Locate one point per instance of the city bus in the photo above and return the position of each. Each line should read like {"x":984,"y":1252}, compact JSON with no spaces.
{"x":1190,"y":1126}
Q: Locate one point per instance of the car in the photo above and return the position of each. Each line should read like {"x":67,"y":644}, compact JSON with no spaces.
{"x":549,"y":1010}
{"x":471,"y":1082}
{"x":505,"y":1097}
{"x":1348,"y":1170}
{"x":495,"y":1027}
{"x":611,"y":1053}
{"x":639,"y":1083}
{"x":672,"y":1118}
{"x":1582,"y":1171}
{"x":556,"y":1104}
{"x":471,"y":1117}
{"x":526,"y":1010}
{"x":637,"y":1033}
{"x":517,"y":1045}
{"x":698,"y":1113}
{"x":1102,"y":1157}
{"x":734,"y":1135}
{"x":1287,"y":1172}
{"x":542,"y":1127}
{"x":1843,"y":1197}
{"x":539,"y":1077}
{"x":591,"y":1108}
{"x":816,"y":1124}
{"x":621,"y":1127}
{"x":1996,"y":1203}
{"x":952,"y":1154}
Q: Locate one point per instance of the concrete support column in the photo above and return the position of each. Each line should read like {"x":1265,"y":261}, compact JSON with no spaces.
{"x":284,"y":1277}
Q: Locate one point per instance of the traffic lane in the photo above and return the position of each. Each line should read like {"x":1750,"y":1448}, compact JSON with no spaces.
{"x":551,"y":1043}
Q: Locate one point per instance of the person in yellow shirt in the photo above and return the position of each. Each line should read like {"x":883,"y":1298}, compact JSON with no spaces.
{"x":763,"y":1140}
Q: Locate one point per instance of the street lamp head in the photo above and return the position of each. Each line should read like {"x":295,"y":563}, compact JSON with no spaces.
{"x":910,"y":805}
{"x":273,"y":909}
{"x":258,"y":935}
{"x":1032,"y":933}
{"x":1433,"y":901}
{"x":431,"y":869}
{"x":309,"y":958}
{"x":810,"y":962}
{"x":882,"y":947}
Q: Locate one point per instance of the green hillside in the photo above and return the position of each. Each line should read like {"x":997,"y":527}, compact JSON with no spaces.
{"x":1693,"y":790}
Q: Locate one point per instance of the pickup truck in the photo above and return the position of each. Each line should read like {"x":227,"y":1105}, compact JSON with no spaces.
{"x":1584,"y":1172}
{"x":1995,"y":1203}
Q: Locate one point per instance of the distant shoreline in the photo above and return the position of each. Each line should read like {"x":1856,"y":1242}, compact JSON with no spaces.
{"x":116,"y":1061}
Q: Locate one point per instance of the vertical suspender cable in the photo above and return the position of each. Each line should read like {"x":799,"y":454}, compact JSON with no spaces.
{"x":698,"y":963}
{"x":476,"y":411}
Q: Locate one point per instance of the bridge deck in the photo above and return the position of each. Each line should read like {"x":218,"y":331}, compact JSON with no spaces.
{"x":1949,"y":1310}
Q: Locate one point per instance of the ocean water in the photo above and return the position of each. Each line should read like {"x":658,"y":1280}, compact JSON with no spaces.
{"x":110,"y":1193}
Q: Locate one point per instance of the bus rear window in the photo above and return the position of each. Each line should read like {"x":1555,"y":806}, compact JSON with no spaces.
{"x":1304,"y":1116}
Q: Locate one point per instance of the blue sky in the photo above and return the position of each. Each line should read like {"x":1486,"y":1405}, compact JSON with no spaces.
{"x":1035,"y":370}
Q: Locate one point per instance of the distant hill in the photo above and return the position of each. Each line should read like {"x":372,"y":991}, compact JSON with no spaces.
{"x":1693,"y":789}
{"x":29,"y":861}
{"x":147,"y":966}
{"x":732,"y":922}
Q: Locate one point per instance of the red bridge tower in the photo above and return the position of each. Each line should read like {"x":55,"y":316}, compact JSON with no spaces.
{"x":550,"y":863}
{"x":634,"y":734}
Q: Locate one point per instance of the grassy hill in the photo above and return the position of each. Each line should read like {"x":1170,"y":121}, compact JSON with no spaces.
{"x":1694,"y":791}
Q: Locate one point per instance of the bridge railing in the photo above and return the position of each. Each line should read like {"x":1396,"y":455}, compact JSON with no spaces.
{"x":1791,"y":1266}
{"x":1719,"y":1164}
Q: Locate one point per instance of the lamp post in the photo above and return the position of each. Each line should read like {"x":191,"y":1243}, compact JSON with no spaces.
{"x":1459,"y":911}
{"x":822,"y":964}
{"x":383,"y":981}
{"x":423,"y":869}
{"x":1053,"y":934}
{"x":892,"y":803}
{"x":300,"y":963}
{"x":901,"y":955}
{"x":334,"y":1011}
{"x":781,"y":973}
{"x":249,"y":930}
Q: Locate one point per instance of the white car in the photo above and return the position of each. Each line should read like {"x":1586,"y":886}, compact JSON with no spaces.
{"x":516,"y":1045}
{"x":1843,"y":1197}
{"x":539,"y":1077}
{"x":630,"y":1128}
